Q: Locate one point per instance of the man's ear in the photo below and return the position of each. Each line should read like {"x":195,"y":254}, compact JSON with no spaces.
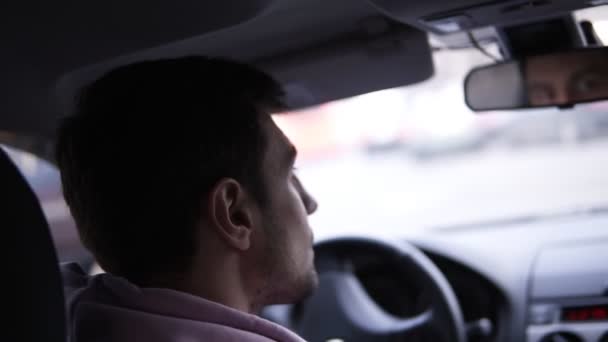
{"x":231,"y":213}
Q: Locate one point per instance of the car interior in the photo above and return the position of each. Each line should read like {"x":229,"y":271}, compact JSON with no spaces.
{"x":525,"y":276}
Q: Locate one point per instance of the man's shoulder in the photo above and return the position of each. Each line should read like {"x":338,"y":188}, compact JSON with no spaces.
{"x":100,"y":323}
{"x":108,"y":308}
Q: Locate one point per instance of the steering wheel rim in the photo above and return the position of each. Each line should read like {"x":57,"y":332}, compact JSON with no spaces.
{"x":344,"y":310}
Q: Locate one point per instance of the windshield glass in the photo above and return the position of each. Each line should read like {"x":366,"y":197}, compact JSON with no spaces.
{"x":417,"y":158}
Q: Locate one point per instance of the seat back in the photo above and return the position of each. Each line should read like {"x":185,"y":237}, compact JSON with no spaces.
{"x":32,"y":295}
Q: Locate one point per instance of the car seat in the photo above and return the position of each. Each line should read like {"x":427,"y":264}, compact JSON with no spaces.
{"x":32,"y":295}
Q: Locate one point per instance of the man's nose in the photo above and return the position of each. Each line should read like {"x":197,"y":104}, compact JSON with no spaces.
{"x":310,"y":203}
{"x":562,"y":96}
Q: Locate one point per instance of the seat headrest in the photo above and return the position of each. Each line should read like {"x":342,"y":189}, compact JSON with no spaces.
{"x":33,"y":295}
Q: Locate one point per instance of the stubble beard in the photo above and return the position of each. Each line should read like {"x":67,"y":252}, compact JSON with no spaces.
{"x":283,"y":285}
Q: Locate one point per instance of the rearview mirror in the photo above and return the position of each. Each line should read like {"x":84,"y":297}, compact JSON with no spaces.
{"x":559,"y":79}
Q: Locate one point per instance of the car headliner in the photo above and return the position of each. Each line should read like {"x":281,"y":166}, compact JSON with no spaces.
{"x":321,"y":50}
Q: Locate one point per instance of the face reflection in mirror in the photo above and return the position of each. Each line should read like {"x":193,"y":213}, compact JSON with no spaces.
{"x":566,"y":78}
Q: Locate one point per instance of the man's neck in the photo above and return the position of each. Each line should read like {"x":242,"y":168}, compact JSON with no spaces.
{"x":220,"y":281}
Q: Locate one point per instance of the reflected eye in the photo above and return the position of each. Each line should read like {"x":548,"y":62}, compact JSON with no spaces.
{"x":589,"y":83}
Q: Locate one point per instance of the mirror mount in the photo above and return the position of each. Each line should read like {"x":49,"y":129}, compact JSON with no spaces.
{"x":565,"y":106}
{"x":556,"y":34}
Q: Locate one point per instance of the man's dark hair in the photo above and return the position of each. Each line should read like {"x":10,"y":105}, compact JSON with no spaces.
{"x":147,"y":143}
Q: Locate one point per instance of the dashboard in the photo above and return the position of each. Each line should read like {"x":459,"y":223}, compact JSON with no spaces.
{"x":542,"y":280}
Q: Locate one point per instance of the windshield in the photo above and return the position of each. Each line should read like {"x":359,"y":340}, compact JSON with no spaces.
{"x":417,"y":158}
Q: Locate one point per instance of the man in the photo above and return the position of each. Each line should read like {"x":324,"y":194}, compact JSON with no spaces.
{"x":566,"y":78}
{"x":184,"y":190}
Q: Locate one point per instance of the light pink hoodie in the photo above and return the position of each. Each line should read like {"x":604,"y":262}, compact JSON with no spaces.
{"x":109,"y":308}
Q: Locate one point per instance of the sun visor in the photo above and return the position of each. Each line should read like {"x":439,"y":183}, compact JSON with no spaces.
{"x":352,"y":65}
{"x":316,"y":65}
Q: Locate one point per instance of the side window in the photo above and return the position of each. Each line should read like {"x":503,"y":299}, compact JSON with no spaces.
{"x":43,"y":177}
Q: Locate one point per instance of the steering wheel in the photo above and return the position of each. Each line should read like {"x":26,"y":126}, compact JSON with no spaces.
{"x":342,"y":309}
